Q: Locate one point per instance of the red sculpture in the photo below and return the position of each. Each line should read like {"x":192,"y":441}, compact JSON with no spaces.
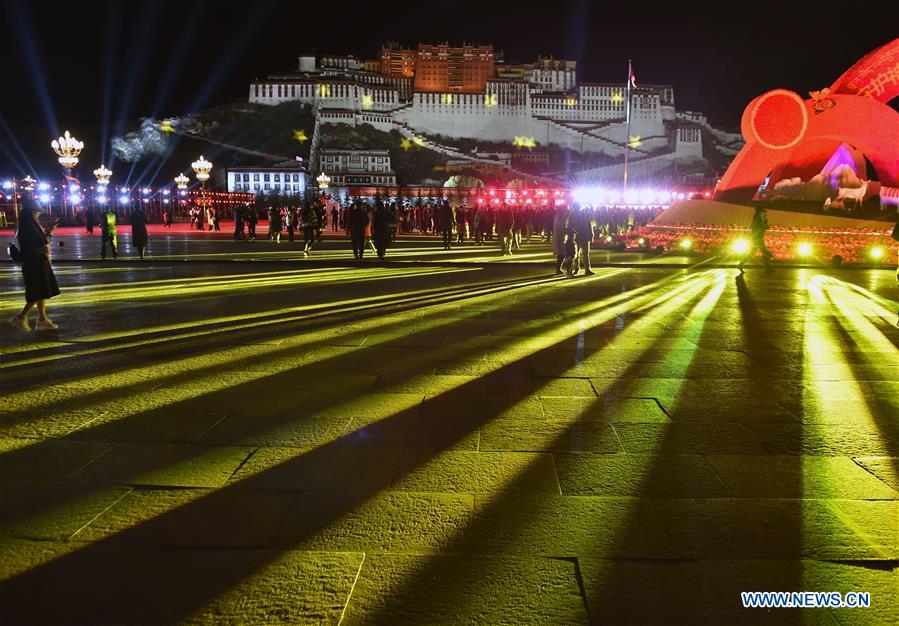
{"x":789,"y":138}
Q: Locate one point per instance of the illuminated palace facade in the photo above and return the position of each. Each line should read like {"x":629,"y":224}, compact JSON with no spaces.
{"x":471,"y":92}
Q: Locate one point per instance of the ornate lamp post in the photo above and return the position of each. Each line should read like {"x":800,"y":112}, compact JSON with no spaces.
{"x":67,"y":149}
{"x":323,"y":181}
{"x":103,"y":174}
{"x":202,"y":167}
{"x":181,"y":180}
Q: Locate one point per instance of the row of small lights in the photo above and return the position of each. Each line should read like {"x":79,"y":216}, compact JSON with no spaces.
{"x":741,"y":246}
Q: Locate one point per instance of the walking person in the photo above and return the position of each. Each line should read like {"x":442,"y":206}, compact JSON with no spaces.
{"x":89,"y":221}
{"x":307,"y":223}
{"x":477,"y":225}
{"x":139,"y":237}
{"x":239,"y":215}
{"x":570,"y":261}
{"x":320,"y":217}
{"x":252,"y":218}
{"x":274,"y":224}
{"x":335,"y":215}
{"x":381,"y":230}
{"x":167,"y":218}
{"x":445,"y":223}
{"x":291,"y":223}
{"x":583,"y":232}
{"x":108,"y":234}
{"x":505,"y":223}
{"x":357,"y":222}
{"x":367,"y":233}
{"x":34,"y":254}
{"x":560,"y":223}
{"x":758,"y":229}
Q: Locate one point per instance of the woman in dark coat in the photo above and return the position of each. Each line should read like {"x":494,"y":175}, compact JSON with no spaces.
{"x":381,"y":229}
{"x":40,"y":283}
{"x":139,"y":235}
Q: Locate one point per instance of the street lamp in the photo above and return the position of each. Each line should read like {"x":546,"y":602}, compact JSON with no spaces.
{"x":323,"y":180}
{"x":181,"y":180}
{"x":103,"y":174}
{"x":67,"y":148}
{"x":202,"y":167}
{"x":28,"y":183}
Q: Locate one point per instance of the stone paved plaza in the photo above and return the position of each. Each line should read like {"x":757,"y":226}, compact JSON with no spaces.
{"x":447,"y":443}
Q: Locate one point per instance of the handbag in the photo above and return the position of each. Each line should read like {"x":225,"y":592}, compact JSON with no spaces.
{"x":14,"y":253}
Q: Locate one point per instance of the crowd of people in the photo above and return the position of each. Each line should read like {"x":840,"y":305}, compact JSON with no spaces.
{"x":570,"y":229}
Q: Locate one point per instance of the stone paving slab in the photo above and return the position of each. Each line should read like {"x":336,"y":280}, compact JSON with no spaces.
{"x":387,"y":522}
{"x":606,"y":409}
{"x":637,"y":475}
{"x":829,"y":439}
{"x":517,"y":435}
{"x":349,"y":465}
{"x":761,"y":529}
{"x":631,"y":591}
{"x":50,"y":459}
{"x":480,"y":409}
{"x":466,"y":590}
{"x":191,"y":517}
{"x":52,"y":510}
{"x":569,"y":526}
{"x":479,"y":473}
{"x":161,"y":426}
{"x":876,"y":521}
{"x":271,"y":431}
{"x":227,"y":586}
{"x":165,"y":465}
{"x":418,"y":433}
{"x":687,"y":438}
{"x":886,"y":468}
{"x":799,"y":477}
{"x":881,"y":582}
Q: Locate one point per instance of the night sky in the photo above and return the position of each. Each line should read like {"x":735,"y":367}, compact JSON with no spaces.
{"x":95,"y":67}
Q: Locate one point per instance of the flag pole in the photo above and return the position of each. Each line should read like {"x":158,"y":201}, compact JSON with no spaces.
{"x":627,"y":133}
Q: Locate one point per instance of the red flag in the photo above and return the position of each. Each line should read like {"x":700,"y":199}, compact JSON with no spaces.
{"x":632,"y":79}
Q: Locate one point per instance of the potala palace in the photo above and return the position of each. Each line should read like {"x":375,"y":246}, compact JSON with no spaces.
{"x":469,"y":92}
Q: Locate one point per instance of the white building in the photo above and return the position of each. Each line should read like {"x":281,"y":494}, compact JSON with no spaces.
{"x":289,"y":181}
{"x":357,"y":168}
{"x":540,"y":103}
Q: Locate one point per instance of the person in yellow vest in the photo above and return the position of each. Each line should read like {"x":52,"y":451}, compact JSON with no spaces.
{"x":109,"y":234}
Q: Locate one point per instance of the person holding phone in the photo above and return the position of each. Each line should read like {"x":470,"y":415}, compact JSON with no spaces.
{"x":40,"y":282}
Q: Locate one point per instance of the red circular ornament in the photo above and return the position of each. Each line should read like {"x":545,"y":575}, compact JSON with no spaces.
{"x":779,"y":119}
